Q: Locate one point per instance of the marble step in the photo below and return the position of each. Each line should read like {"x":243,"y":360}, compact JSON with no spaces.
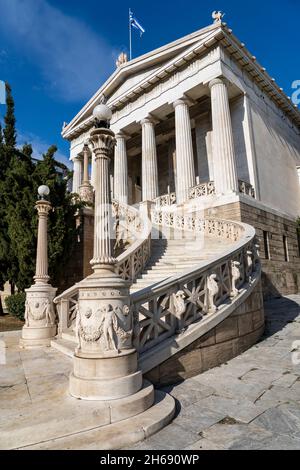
{"x":64,"y":346}
{"x":114,"y":436}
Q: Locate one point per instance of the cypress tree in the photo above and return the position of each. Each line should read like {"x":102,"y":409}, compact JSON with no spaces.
{"x":21,"y":218}
{"x":10,"y":135}
{"x":3,"y":227}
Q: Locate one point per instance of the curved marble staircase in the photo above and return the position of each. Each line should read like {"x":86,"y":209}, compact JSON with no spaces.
{"x":188,"y":274}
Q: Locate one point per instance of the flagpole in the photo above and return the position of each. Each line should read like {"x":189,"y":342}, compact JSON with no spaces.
{"x":130,"y":41}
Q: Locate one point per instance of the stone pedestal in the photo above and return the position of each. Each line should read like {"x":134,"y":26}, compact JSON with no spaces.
{"x":105,"y":362}
{"x":40,"y":318}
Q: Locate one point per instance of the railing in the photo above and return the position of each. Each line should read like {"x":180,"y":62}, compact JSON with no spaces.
{"x":134,"y":228}
{"x":208,"y":189}
{"x":165,"y":200}
{"x":203,"y":189}
{"x":165,"y":310}
{"x":209,"y":227}
{"x":246,"y":188}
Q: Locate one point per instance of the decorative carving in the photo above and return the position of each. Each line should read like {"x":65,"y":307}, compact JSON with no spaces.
{"x":204,"y":189}
{"x":86,"y":327}
{"x":246,"y":188}
{"x":217,"y":16}
{"x":179,"y":304}
{"x":212,"y":291}
{"x":249,"y":264}
{"x":122,"y":59}
{"x":165,"y":200}
{"x":235,"y":274}
{"x":27,"y":313}
{"x":90,"y":329}
{"x":86,"y":193}
{"x":49,"y":313}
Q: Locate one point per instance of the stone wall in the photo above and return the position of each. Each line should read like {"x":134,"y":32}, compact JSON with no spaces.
{"x":280,"y":277}
{"x":234,"y":335}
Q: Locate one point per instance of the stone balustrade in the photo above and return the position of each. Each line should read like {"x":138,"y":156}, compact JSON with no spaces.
{"x":168,"y":309}
{"x":165,"y":201}
{"x":208,"y":189}
{"x":246,"y":189}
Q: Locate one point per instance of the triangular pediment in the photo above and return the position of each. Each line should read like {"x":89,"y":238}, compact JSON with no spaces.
{"x":130,"y":74}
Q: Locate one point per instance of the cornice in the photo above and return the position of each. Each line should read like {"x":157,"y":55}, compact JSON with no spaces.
{"x":220,"y":35}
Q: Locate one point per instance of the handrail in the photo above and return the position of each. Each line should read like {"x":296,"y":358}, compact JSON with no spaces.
{"x":163,"y":310}
{"x":208,"y":189}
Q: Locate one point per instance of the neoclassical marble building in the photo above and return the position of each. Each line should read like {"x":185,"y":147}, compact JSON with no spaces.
{"x":201,"y":119}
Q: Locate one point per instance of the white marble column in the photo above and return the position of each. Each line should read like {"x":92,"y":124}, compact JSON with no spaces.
{"x":77,"y":174}
{"x":103,"y":144}
{"x":121,"y":170}
{"x":185,"y":168}
{"x":149,"y":160}
{"x":225,"y":172}
{"x":41,"y":273}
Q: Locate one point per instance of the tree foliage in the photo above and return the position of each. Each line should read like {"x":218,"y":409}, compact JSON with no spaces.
{"x":20,"y":178}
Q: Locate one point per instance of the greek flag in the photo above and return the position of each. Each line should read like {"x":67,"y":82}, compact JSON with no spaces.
{"x":2,"y":92}
{"x":135,"y":24}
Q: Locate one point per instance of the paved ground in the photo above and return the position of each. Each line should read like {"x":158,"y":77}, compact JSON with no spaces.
{"x":253,"y":402}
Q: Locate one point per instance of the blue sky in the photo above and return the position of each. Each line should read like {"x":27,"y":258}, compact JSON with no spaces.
{"x":56,"y":53}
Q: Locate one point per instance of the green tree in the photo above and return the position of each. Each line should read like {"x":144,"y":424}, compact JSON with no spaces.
{"x":21,"y":217}
{"x":10,"y":134}
{"x":3,"y":226}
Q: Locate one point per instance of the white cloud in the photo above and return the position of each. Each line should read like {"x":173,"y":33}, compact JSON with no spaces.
{"x":39,"y":147}
{"x":72,"y":58}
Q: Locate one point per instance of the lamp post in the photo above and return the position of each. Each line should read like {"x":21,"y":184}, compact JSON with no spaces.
{"x":86,"y":190}
{"x":105,"y":361}
{"x":40,"y":317}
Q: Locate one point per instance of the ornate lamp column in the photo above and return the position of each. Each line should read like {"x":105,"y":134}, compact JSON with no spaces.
{"x":121,"y":170}
{"x":149,"y":160}
{"x":77,"y":174}
{"x":225,"y":172}
{"x":185,"y":169}
{"x":85,"y":189}
{"x":105,"y":361}
{"x":40,"y":324}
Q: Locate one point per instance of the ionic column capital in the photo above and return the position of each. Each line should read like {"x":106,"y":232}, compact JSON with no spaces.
{"x":184,"y":100}
{"x":121,"y":135}
{"x":149,"y":120}
{"x":218,"y":81}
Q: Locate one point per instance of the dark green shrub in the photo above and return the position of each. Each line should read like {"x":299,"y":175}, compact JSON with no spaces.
{"x":16,"y":305}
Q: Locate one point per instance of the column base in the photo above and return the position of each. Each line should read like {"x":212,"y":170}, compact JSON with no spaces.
{"x":106,"y":377}
{"x":37,"y":337}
